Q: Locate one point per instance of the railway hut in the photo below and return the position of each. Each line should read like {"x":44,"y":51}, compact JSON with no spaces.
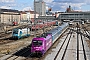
{"x":19,"y":33}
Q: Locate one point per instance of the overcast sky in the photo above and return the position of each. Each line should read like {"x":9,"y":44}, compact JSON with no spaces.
{"x":56,"y":5}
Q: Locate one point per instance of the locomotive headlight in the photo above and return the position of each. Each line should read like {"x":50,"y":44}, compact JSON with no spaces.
{"x":37,"y":49}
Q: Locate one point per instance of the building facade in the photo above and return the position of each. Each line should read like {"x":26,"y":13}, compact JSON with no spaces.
{"x":28,"y":16}
{"x":40,"y":7}
{"x":9,"y":15}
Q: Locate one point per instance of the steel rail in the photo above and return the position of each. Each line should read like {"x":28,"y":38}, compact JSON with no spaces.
{"x":77,"y":43}
{"x":83,"y":48}
{"x":61,"y":46}
{"x":66,"y":47}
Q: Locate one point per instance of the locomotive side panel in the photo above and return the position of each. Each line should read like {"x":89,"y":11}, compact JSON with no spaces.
{"x":19,"y":33}
{"x":48,"y":43}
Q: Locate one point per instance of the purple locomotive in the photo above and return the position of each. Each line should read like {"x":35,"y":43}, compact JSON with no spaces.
{"x":42,"y":43}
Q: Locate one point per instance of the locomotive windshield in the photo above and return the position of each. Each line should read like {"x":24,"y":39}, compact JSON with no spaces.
{"x":15,"y":31}
{"x":37,"y":43}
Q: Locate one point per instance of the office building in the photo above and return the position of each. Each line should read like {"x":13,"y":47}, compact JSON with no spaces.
{"x":40,"y":7}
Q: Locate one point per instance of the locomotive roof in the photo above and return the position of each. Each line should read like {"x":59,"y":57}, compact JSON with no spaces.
{"x":59,"y":28}
{"x":53,"y":31}
{"x":44,"y":35}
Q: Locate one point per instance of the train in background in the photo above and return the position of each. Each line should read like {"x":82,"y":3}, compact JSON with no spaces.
{"x":18,"y":33}
{"x":44,"y":24}
{"x":42,"y":43}
{"x":15,"y":23}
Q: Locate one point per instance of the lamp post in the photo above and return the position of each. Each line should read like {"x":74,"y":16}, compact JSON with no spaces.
{"x":0,"y":15}
{"x":9,"y":14}
{"x":35,"y":18}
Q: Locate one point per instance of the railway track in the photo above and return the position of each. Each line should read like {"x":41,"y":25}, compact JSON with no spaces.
{"x":77,"y":48}
{"x":85,"y":30}
{"x":84,"y":33}
{"x":4,"y":35}
{"x":80,"y":51}
{"x":84,"y":52}
{"x":81,"y":40}
{"x":54,"y":46}
{"x":25,"y":54}
{"x":66,"y":43}
{"x":5,"y":38}
{"x":8,"y":31}
{"x":62,"y":46}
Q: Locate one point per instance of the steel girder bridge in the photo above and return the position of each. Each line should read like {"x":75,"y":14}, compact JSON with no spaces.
{"x":71,"y":16}
{"x":75,"y":16}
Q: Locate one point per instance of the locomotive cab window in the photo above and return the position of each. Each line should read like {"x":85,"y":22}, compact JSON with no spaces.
{"x":37,"y":43}
{"x":15,"y":31}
